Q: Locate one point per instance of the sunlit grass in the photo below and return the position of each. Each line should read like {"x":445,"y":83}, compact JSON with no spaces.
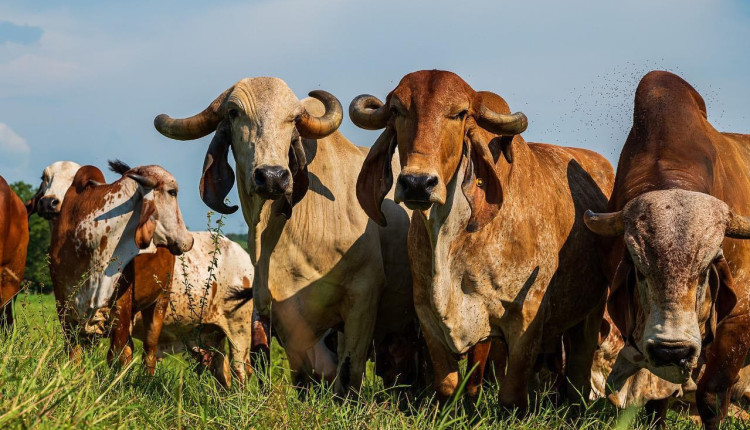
{"x":41,"y":388}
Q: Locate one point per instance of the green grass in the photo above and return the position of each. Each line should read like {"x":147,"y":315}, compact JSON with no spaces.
{"x":41,"y":388}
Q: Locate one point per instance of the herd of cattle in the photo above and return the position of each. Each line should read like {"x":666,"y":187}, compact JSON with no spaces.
{"x":525,"y":258}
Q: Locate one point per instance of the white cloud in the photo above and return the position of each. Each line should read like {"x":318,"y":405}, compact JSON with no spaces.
{"x":11,"y":142}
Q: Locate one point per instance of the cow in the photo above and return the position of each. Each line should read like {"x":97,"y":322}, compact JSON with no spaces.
{"x":497,"y":246}
{"x":167,"y":293}
{"x":672,"y":237}
{"x":14,"y":238}
{"x":319,"y":262}
{"x":98,"y":232}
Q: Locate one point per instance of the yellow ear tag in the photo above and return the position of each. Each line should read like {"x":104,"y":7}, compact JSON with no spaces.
{"x":480,"y":182}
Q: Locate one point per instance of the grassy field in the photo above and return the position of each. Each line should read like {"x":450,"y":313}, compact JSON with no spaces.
{"x":41,"y":388}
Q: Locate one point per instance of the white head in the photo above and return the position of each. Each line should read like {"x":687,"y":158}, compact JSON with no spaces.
{"x":56,"y":179}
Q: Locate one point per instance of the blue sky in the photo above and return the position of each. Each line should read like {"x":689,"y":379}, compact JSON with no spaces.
{"x":83,"y":81}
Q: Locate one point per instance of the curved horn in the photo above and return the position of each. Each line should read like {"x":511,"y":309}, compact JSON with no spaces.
{"x":196,"y":126}
{"x":738,"y":226}
{"x":501,"y":123}
{"x":368,"y":112}
{"x":311,"y":127}
{"x":604,"y":224}
{"x":145,"y":182}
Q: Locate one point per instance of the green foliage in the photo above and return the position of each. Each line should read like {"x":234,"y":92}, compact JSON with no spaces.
{"x":37,"y":257}
{"x":40,"y":388}
{"x":240,"y":238}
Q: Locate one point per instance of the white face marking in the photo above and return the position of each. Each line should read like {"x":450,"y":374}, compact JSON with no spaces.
{"x":56,"y":179}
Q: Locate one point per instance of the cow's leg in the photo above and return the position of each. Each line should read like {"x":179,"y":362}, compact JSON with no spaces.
{"x":582,"y":340}
{"x":498,"y":359}
{"x":10,"y":285}
{"x":444,"y":368}
{"x":220,"y":366}
{"x":522,"y":356}
{"x":656,"y":412}
{"x":299,"y":371}
{"x":153,"y":320}
{"x":724,"y":360}
{"x":475,"y":364}
{"x":6,"y":317}
{"x":239,"y":349}
{"x":359,"y":324}
{"x":120,"y":344}
{"x":260,"y":347}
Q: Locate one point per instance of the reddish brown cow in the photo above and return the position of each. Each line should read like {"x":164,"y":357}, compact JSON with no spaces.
{"x":497,"y":245}
{"x":14,"y":237}
{"x":679,"y":275}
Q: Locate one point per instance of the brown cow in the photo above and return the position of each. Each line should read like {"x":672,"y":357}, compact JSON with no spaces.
{"x":496,"y":244}
{"x":14,"y":237}
{"x":679,"y":275}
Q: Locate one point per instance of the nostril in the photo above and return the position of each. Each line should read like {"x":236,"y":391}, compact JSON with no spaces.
{"x":430,"y":182}
{"x":404,"y":181}
{"x":284,"y":174}
{"x":260,"y":177}
{"x":54,"y":203}
{"x":418,"y":187}
{"x":665,"y":354}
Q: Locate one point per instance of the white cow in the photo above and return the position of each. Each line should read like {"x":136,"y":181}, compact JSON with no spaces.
{"x":319,"y":261}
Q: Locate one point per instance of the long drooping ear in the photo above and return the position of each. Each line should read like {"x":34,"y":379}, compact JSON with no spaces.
{"x":300,"y":180}
{"x":218,"y":177}
{"x":481,"y":184}
{"x":31,"y":205}
{"x":726,"y":296}
{"x":144,"y":233}
{"x":620,"y":301}
{"x":376,"y":177}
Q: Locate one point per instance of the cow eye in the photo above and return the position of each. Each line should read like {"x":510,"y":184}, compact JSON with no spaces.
{"x":395,"y":111}
{"x":233,"y":113}
{"x":172,"y":193}
{"x":461,"y":115}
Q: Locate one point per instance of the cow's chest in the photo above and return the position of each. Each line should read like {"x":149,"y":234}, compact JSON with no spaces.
{"x":481,"y":289}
